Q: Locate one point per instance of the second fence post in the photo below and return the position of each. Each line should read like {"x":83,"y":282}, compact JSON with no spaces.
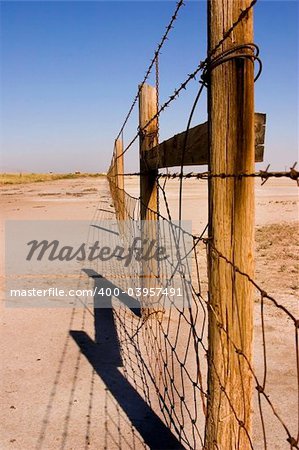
{"x":231,"y":230}
{"x":119,"y":181}
{"x":148,"y":183}
{"x":148,"y":139}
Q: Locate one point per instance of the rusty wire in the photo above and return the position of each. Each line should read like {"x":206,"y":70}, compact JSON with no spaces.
{"x":202,"y":67}
{"x":154,"y":335}
{"x":154,"y":60}
{"x":264,"y":175}
{"x":151,"y":346}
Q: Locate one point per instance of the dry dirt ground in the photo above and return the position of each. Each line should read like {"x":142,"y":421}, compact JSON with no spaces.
{"x":52,"y":397}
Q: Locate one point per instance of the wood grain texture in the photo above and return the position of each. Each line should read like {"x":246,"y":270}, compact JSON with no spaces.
{"x":169,"y":152}
{"x":148,"y":139}
{"x":148,"y":191}
{"x":231,"y":228}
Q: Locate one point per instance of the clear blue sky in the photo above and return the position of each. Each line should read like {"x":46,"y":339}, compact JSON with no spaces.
{"x":69,"y":71}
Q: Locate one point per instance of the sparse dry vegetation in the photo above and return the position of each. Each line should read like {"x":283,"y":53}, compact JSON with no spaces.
{"x":24,"y":178}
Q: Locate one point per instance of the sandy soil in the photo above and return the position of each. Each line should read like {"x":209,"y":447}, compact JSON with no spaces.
{"x":53,"y":397}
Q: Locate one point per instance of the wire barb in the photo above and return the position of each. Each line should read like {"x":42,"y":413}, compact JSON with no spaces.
{"x":157,"y":351}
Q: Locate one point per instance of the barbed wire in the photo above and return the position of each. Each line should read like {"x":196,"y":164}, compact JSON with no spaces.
{"x":192,"y":76}
{"x":292,"y":174}
{"x":179,"y":4}
{"x":142,"y":336}
{"x":227,"y":34}
{"x":152,"y":345}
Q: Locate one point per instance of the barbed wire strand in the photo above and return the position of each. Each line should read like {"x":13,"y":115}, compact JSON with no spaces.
{"x":167,"y":352}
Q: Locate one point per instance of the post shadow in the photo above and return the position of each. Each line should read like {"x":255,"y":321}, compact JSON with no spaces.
{"x":105,"y":229}
{"x":105,"y":357}
{"x":102,"y":301}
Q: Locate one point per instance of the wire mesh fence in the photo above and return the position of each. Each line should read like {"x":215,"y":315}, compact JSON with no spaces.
{"x":165,"y":350}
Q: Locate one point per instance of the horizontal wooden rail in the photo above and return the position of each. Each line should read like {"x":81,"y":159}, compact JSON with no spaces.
{"x":169,"y":152}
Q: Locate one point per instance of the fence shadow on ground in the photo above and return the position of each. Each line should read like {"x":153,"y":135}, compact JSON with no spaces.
{"x":105,"y":357}
{"x":104,"y":301}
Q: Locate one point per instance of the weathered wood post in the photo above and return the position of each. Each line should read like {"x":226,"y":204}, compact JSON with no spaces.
{"x":231,"y":231}
{"x":148,"y":139}
{"x":148,"y":181}
{"x":112,"y":177}
{"x":119,"y":179}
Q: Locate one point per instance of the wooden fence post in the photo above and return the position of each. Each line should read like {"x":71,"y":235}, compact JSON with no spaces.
{"x":231,"y":231}
{"x":119,"y":179}
{"x":148,"y":181}
{"x":148,"y":139}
